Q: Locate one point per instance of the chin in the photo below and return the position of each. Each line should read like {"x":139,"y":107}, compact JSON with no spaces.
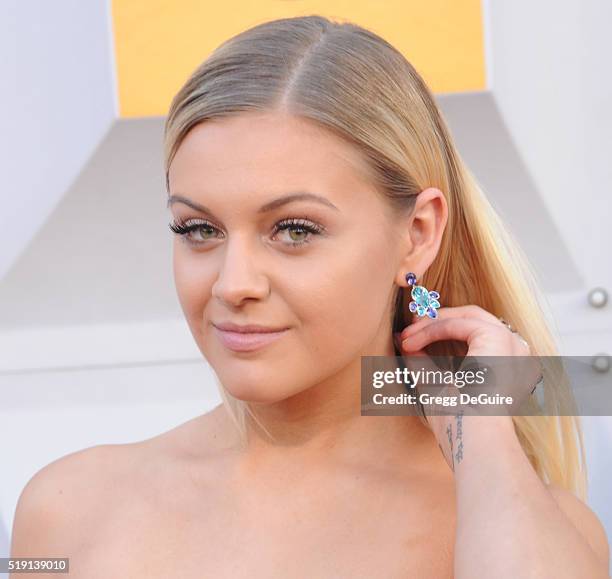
{"x":259,"y":390}
{"x":256,"y":395}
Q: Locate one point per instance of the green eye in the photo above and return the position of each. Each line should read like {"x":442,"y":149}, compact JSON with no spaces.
{"x":203,"y":229}
{"x":186,"y":228}
{"x":300,"y":231}
{"x":304,"y":229}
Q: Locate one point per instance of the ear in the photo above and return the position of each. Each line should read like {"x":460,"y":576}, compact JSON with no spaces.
{"x":422,"y":232}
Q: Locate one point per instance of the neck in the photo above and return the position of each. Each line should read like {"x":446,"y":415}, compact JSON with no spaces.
{"x":324,"y":423}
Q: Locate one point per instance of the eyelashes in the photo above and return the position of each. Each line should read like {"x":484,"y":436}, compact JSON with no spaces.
{"x":303,"y":225}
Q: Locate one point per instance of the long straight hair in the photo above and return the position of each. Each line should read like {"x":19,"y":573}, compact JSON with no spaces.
{"x":358,"y":86}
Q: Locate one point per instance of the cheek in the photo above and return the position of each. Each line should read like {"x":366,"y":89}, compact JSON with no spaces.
{"x":193,"y":285}
{"x":344,"y":303}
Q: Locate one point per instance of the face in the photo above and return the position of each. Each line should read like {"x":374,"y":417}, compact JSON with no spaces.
{"x":320,"y":268}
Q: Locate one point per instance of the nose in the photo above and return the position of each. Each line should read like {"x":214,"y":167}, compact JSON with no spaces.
{"x":239,"y":278}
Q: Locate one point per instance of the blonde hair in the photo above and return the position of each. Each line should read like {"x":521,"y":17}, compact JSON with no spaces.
{"x":355,"y":84}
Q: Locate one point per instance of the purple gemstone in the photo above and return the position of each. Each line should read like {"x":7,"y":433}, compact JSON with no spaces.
{"x":434,"y":295}
{"x":412,"y":306}
{"x":410,"y":278}
{"x":432,"y":313}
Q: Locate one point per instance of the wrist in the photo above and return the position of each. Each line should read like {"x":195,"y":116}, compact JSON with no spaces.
{"x":471,"y":437}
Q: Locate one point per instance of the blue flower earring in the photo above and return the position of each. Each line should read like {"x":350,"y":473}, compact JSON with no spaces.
{"x":425,"y":301}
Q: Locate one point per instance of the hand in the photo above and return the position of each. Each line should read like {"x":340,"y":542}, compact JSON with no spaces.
{"x":485,"y":335}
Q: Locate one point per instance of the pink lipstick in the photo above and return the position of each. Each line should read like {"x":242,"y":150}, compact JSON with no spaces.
{"x":247,"y":341}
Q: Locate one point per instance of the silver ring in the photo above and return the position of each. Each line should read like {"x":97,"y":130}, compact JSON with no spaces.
{"x":507,"y":324}
{"x":526,"y":344}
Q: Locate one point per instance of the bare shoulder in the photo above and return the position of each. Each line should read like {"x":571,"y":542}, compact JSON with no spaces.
{"x":58,"y":497}
{"x":584,"y":519}
{"x":67,"y":504}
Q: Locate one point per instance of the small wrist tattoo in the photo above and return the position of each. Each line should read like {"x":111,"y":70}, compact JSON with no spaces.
{"x":459,"y":421}
{"x":455,"y":444}
{"x":449,"y":433}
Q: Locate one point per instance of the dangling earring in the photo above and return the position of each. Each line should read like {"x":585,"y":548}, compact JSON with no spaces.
{"x":425,"y":301}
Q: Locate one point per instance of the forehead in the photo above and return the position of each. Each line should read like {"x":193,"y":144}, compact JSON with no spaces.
{"x":255,"y":152}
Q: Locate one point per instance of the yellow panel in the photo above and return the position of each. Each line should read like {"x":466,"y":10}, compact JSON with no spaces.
{"x":160,"y":42}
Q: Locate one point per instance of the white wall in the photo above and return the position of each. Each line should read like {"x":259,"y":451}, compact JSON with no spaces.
{"x":548,"y":65}
{"x":57,"y":99}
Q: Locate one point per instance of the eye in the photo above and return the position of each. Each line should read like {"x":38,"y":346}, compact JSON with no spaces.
{"x":185,"y":228}
{"x":198,"y":231}
{"x":304,"y":228}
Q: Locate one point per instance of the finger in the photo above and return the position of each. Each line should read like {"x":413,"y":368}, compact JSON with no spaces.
{"x":417,"y":322}
{"x":462,"y":329}
{"x":468,"y":311}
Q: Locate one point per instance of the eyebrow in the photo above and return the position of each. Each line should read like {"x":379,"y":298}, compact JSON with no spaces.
{"x":270,"y":206}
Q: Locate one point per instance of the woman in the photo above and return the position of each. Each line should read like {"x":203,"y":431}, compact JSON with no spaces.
{"x":308,"y":172}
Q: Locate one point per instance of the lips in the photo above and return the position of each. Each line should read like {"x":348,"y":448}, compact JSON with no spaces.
{"x":247,"y":341}
{"x":247,"y":329}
